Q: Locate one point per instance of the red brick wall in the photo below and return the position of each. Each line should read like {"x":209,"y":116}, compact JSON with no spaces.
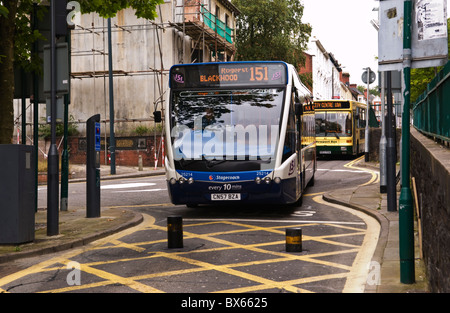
{"x":128,"y":157}
{"x":307,"y":68}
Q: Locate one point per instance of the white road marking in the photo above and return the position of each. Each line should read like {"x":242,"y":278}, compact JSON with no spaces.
{"x":128,"y":185}
{"x":270,"y":221}
{"x":141,"y":190}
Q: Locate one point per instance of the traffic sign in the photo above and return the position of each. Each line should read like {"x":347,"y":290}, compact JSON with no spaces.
{"x":372,"y":77}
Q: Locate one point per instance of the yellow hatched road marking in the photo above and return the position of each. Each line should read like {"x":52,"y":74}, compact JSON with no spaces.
{"x":231,"y":269}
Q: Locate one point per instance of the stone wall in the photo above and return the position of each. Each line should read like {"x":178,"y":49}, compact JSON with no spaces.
{"x":374,"y":143}
{"x":430,"y":165}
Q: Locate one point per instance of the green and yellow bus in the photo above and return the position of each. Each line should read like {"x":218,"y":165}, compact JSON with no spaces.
{"x":340,"y":127}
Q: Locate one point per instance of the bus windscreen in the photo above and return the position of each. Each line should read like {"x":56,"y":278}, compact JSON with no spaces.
{"x":226,"y":124}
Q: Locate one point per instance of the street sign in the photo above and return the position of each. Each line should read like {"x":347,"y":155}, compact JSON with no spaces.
{"x":429,"y":47}
{"x":372,"y":77}
{"x":62,"y":70}
{"x":97,"y":136}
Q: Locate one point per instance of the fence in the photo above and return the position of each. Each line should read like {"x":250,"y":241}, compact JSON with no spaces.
{"x":431,"y":112}
{"x":217,"y":25}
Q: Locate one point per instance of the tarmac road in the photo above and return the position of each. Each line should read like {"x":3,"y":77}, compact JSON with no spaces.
{"x":237,"y":249}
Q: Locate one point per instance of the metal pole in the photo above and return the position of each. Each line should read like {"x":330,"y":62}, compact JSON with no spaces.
{"x":366,"y":150}
{"x":53,"y":158}
{"x":65,"y":153}
{"x":391,"y":153}
{"x":24,"y":107}
{"x":383,"y":141}
{"x":112,"y":139}
{"x":406,"y":222}
{"x":65,"y":159}
{"x":35,"y":110}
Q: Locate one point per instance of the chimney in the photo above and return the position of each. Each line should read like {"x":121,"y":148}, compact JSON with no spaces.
{"x":345,"y":78}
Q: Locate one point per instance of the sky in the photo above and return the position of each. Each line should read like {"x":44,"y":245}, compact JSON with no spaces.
{"x":344,"y":29}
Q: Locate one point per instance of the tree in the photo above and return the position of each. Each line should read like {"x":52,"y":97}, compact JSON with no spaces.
{"x":271,"y":30}
{"x":18,"y":37}
{"x":372,"y":91}
{"x":7,"y":29}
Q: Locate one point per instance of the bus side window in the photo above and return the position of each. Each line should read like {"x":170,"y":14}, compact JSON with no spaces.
{"x":362,"y":118}
{"x":289,"y":140}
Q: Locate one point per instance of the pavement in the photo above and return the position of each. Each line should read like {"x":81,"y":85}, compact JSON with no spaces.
{"x":76,"y":230}
{"x":368,"y":199}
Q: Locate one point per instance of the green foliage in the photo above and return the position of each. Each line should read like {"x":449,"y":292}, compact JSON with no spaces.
{"x":18,"y":38}
{"x":25,"y":37}
{"x":3,"y":11}
{"x":109,"y":8}
{"x":372,"y":91}
{"x":306,"y":78}
{"x":142,"y":130}
{"x":420,"y":77}
{"x":271,"y":30}
{"x":72,"y":129}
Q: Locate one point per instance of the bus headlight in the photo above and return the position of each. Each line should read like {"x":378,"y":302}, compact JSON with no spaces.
{"x":277,"y":180}
{"x":258,"y":180}
{"x":181,"y":180}
{"x":191,"y":180}
{"x":173,"y":181}
{"x":267,"y":180}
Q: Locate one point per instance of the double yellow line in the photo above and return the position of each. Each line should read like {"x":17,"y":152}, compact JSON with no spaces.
{"x":375,"y":174}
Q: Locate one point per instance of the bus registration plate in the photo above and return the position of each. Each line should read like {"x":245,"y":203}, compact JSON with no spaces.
{"x":225,"y":196}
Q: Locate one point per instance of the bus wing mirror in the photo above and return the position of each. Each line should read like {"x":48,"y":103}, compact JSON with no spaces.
{"x":298,"y":109}
{"x":157,"y":116}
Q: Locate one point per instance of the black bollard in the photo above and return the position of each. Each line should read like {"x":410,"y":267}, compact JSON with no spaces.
{"x":175,"y":232}
{"x":293,"y":240}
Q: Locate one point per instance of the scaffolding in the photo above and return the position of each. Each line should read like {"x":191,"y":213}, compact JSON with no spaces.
{"x":191,"y":21}
{"x":190,"y":18}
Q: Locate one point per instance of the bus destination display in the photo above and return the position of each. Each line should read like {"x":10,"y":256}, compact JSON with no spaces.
{"x":228,"y":74}
{"x":331,"y":105}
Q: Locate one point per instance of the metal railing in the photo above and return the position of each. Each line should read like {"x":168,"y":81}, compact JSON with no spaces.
{"x":431,"y":112}
{"x":217,"y":25}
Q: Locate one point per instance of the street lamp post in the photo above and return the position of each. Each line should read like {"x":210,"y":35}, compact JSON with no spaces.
{"x":406,"y":222}
{"x":367,"y":131}
{"x":53,"y":157}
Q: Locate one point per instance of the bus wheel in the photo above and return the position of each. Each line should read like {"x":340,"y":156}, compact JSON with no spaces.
{"x":299,"y":202}
{"x":311,"y":182}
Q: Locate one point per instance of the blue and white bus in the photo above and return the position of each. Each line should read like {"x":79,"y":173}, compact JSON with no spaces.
{"x":238,"y":132}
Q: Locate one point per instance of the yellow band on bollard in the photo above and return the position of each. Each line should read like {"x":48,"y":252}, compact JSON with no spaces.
{"x":296,"y":240}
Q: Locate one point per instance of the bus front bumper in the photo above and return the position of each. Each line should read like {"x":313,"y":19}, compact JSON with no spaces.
{"x":334,"y":150}
{"x":232,"y":192}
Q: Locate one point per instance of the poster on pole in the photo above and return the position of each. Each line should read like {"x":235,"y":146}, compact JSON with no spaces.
{"x":431,"y":19}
